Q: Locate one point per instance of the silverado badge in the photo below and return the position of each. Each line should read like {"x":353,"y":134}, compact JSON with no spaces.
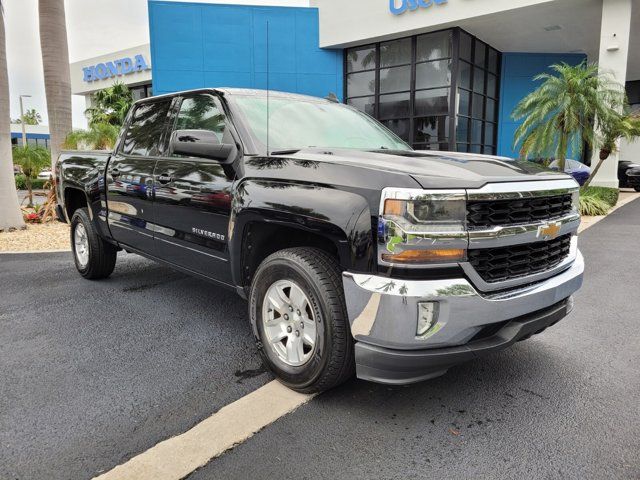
{"x":549,"y":231}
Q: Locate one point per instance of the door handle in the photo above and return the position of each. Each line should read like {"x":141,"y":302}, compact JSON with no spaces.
{"x":165,"y":178}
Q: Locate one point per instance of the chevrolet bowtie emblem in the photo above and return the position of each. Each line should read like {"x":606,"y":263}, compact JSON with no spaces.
{"x":549,"y":231}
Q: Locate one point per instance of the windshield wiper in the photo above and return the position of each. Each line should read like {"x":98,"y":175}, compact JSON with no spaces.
{"x":291,"y":151}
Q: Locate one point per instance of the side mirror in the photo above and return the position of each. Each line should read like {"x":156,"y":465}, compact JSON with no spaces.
{"x":201,"y":144}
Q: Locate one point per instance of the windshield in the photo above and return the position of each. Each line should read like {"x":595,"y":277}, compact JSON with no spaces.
{"x":296,"y":123}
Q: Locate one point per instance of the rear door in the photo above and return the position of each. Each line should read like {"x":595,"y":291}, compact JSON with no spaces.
{"x":130,"y":176}
{"x":193,"y":196}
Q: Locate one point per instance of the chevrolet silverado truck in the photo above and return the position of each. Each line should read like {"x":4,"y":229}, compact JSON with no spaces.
{"x":355,"y":252}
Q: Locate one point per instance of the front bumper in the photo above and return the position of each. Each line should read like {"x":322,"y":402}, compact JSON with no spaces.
{"x":383,"y":317}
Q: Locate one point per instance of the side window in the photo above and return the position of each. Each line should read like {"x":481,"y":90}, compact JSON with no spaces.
{"x":203,"y":112}
{"x":146,"y":128}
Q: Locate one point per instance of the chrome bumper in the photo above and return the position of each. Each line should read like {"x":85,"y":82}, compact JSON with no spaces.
{"x":383,"y":312}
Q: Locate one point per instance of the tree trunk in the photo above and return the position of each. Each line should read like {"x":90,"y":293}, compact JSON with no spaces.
{"x":561,"y":154}
{"x":10,"y":213}
{"x":57,"y":79}
{"x":604,"y":154}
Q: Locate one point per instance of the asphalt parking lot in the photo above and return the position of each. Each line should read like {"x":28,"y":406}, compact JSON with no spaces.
{"x":93,"y":373}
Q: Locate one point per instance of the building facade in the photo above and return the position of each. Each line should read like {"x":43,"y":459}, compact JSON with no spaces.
{"x":37,"y":135}
{"x":131,"y":67}
{"x":442,"y":74}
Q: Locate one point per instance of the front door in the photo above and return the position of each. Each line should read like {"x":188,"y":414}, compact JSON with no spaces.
{"x":130,"y":177}
{"x":193,"y":197}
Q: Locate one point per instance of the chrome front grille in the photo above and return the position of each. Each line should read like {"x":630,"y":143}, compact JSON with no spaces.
{"x":490,"y":213}
{"x":517,"y":261}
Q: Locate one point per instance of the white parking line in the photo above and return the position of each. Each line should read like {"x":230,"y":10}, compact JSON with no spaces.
{"x":177,"y":457}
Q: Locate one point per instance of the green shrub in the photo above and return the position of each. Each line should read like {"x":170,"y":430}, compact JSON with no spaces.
{"x":21,"y":182}
{"x":607,"y":195}
{"x":36,"y":184}
{"x":593,"y":206}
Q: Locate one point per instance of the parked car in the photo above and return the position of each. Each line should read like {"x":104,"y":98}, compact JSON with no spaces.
{"x":577,"y":170}
{"x":356,"y":253}
{"x":629,"y":175}
{"x":45,"y":175}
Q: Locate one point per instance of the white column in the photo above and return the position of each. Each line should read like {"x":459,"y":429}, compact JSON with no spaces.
{"x":614,"y":52}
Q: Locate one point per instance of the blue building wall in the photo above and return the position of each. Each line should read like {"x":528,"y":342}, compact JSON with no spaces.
{"x":518,"y":70}
{"x":197,"y":45}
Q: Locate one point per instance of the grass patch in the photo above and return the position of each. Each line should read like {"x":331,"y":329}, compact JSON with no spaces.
{"x":607,"y":195}
{"x":593,"y":206}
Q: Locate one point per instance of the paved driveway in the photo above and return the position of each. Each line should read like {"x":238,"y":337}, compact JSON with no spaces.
{"x":92,"y":373}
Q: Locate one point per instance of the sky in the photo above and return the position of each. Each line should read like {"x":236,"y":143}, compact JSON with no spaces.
{"x":94,"y":27}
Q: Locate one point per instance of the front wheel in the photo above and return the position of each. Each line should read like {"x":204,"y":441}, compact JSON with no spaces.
{"x":300,"y":321}
{"x":637,"y":188}
{"x":94,"y":258}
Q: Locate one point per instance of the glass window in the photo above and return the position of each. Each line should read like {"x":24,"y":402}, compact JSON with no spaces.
{"x":432,"y":102}
{"x":203,"y":112}
{"x":489,"y":150}
{"x":433,"y":74}
{"x":480,"y":53}
{"x":475,"y":149}
{"x":300,"y":122}
{"x":394,"y":105}
{"x":489,"y":132}
{"x":361,"y":84}
{"x":399,"y":127}
{"x":462,"y":147}
{"x":462,"y":129}
{"x":364,"y":104}
{"x":476,"y":131}
{"x":433,"y":46}
{"x":395,"y":79}
{"x":464,"y":102}
{"x":361,"y":59}
{"x":493,"y":60}
{"x":464,"y":75}
{"x":444,"y":146}
{"x":490,"y":112}
{"x":465,"y":46}
{"x":492,"y":85}
{"x":478,"y":107}
{"x":397,"y":52}
{"x":431,"y":129}
{"x":146,"y":128}
{"x":478,"y":80}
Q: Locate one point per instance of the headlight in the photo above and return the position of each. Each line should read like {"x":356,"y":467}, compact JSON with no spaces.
{"x":422,"y":227}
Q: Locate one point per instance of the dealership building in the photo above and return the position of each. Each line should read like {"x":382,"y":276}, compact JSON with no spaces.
{"x":442,"y":74}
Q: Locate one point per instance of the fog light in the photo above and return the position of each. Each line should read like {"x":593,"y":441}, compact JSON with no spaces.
{"x":427,"y":317}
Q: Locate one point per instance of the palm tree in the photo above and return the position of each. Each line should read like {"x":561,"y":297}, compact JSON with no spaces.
{"x":10,"y":214}
{"x":32,"y":160}
{"x":110,"y":105}
{"x":100,"y":136}
{"x":57,"y":79}
{"x":562,"y":111}
{"x":625,"y":125}
{"x":31,"y":117}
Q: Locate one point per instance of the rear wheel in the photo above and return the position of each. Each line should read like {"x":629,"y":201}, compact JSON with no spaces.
{"x":299,"y":319}
{"x":94,"y":258}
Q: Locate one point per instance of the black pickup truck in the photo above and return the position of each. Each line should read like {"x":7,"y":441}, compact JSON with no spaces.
{"x":355,"y":252}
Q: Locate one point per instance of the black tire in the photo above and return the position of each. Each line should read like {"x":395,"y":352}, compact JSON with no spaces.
{"x":637,"y":189}
{"x":319,"y":276}
{"x":102,"y":255}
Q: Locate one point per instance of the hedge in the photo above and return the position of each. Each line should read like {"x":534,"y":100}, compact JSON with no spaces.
{"x":21,"y":182}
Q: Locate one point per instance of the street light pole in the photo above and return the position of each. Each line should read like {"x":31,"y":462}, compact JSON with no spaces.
{"x":24,"y":129}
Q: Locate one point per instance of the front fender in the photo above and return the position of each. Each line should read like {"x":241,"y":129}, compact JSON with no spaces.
{"x":342,"y":217}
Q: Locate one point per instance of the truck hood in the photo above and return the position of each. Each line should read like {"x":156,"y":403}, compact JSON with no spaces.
{"x":432,"y":169}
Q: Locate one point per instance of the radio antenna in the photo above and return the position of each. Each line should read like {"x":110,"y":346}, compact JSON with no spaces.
{"x":268,"y":151}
